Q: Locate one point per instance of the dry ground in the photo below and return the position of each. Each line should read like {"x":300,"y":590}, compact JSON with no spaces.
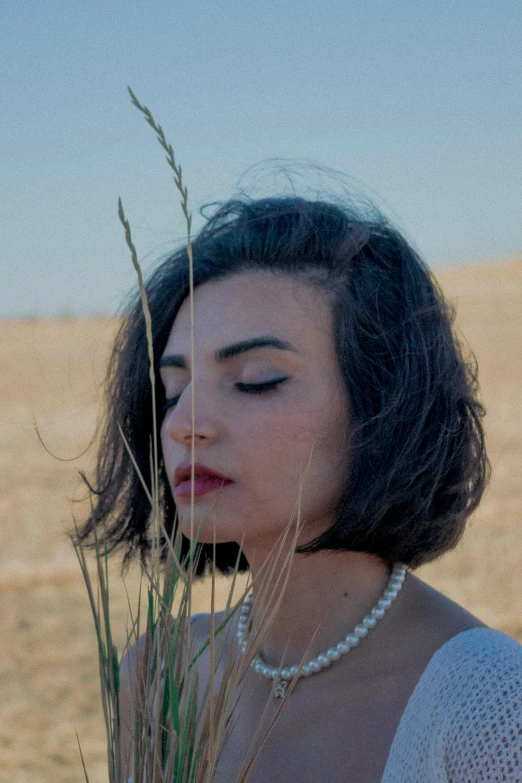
{"x":51,"y":373}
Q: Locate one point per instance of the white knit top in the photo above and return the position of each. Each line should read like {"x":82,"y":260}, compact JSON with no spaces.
{"x":463,"y":721}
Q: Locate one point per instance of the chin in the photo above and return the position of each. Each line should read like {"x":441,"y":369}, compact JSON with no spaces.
{"x":206,"y":534}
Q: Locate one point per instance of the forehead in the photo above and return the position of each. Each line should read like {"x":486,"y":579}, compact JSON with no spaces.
{"x":251,"y":303}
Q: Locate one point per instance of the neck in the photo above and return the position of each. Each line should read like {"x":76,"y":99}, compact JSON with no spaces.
{"x":328,"y":592}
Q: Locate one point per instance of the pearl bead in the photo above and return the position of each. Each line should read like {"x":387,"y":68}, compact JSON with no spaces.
{"x":333,"y":654}
{"x":353,"y":639}
{"x":285,"y":674}
{"x":343,"y":647}
{"x":323,"y":660}
{"x":390,"y":593}
{"x":378,"y":613}
{"x":384,"y":603}
{"x":258,"y":667}
{"x":369,"y":621}
{"x":306,"y":671}
{"x":315,"y":666}
{"x":293,"y":670}
{"x":268,"y":673}
{"x":361,"y":631}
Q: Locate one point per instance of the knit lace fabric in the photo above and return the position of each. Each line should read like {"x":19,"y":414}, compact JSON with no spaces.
{"x":463,"y":722}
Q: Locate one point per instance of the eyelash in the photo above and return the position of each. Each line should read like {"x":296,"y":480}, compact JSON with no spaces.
{"x":246,"y":388}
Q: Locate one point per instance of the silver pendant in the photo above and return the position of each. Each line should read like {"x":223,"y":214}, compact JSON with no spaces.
{"x":281,"y":688}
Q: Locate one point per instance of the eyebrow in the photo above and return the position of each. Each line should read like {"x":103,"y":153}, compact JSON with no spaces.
{"x":222,"y":354}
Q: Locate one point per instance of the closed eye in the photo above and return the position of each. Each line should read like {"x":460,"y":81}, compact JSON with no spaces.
{"x":247,"y":388}
{"x":259,"y":388}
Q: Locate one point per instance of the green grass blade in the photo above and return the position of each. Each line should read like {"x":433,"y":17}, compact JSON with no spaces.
{"x":81,"y":755}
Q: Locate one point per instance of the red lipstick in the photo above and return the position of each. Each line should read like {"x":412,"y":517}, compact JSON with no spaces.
{"x":205,"y":480}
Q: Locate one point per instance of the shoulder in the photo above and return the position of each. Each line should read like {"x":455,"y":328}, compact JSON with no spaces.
{"x":134,"y":655}
{"x":479,"y":662}
{"x":201,"y":625}
{"x":130,"y":660}
{"x":463,"y":722}
{"x":475,"y":665}
{"x":474,"y":685}
{"x":479,"y":657}
{"x":485,"y":644}
{"x":201,"y":622}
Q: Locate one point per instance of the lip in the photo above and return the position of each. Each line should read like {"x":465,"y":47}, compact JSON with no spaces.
{"x":183,"y":474}
{"x":201,"y":486}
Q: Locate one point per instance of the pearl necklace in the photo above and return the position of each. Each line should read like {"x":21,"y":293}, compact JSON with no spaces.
{"x":282,"y":679}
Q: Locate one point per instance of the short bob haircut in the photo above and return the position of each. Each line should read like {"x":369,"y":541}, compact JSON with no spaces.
{"x":418,"y":465}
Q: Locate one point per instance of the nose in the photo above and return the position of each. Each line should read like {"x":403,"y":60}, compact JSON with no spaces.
{"x":177,"y":424}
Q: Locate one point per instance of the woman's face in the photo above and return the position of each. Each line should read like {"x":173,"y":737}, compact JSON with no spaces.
{"x":262,"y":441}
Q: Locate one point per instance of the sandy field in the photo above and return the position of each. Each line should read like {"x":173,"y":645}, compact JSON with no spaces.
{"x":50,"y":380}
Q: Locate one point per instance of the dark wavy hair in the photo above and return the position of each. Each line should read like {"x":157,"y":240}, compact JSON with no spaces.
{"x":417,"y":465}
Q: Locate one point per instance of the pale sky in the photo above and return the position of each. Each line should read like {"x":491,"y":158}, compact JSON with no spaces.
{"x":419,"y":102}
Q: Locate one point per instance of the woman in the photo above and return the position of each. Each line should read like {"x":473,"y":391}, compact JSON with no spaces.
{"x":323,"y":346}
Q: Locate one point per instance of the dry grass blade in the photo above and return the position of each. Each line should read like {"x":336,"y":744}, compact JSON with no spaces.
{"x":178,"y":180}
{"x":170,"y":157}
{"x":178,"y":733}
{"x":109,"y":684}
{"x":148,"y":326}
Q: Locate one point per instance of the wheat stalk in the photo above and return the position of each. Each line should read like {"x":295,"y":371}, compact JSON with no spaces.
{"x":172,"y":741}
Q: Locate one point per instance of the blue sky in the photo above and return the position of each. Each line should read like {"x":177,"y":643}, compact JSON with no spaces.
{"x":419,"y":102}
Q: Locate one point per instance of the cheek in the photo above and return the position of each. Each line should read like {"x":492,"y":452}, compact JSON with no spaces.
{"x":283,"y":435}
{"x":280,"y":449}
